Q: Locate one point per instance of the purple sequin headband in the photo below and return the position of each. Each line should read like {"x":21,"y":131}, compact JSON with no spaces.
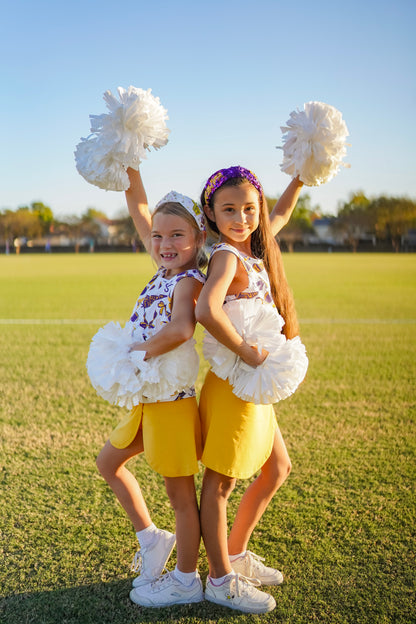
{"x":220,"y":177}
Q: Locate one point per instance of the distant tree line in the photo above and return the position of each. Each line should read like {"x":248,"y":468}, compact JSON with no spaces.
{"x":383,"y":219}
{"x":36,"y":225}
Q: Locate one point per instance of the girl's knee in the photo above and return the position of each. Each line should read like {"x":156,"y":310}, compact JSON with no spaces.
{"x":100,"y":463}
{"x":181,"y":492}
{"x":217,"y":485}
{"x":104,"y":469}
{"x":285,"y":468}
{"x":276,"y":473}
{"x":107,"y":463}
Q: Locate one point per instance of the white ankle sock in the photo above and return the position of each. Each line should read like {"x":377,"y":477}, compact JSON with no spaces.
{"x":220,"y":580}
{"x":147,"y":536}
{"x":234,"y":557}
{"x":187,"y":578}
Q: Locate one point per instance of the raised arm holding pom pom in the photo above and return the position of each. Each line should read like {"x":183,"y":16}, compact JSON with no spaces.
{"x":282,"y":210}
{"x":138,"y":207}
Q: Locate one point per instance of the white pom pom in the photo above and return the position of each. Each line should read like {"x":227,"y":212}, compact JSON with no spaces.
{"x":123,"y":378}
{"x":168,"y":374}
{"x":120,"y":139}
{"x":314,"y":143}
{"x":276,"y":378}
{"x":99,"y":167}
{"x":281,"y":372}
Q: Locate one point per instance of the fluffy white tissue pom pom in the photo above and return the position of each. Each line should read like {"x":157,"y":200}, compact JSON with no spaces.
{"x":281,"y":372}
{"x":99,"y":167}
{"x":314,"y":143}
{"x":120,"y":139}
{"x":123,"y":378}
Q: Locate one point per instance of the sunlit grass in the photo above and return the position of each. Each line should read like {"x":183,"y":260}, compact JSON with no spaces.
{"x":341,"y":529}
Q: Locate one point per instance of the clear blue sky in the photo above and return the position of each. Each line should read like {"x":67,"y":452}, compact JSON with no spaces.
{"x":229,"y":74}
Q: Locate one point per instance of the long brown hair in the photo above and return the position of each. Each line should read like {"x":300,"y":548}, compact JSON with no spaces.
{"x":264,"y":246}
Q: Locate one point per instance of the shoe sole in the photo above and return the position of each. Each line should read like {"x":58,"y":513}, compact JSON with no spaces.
{"x":273,"y":582}
{"x":226,"y":603}
{"x":143,"y":603}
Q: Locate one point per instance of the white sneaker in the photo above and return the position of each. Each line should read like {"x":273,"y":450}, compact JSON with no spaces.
{"x":167,"y":590}
{"x":251,"y":566}
{"x":150,"y":561}
{"x":240,"y":593}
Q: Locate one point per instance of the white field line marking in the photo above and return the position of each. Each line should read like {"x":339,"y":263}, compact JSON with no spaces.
{"x":311,"y":321}
{"x":335,"y":321}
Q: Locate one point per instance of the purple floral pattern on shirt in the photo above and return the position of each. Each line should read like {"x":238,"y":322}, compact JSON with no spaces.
{"x":153,"y":308}
{"x":258,"y":280}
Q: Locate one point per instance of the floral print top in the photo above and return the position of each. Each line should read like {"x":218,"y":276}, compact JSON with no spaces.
{"x":258,"y":280}
{"x":153,"y":308}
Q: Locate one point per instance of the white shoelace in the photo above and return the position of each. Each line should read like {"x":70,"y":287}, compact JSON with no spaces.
{"x":137,"y":565}
{"x":243,"y":584}
{"x":255,"y":561}
{"x":137,"y":562}
{"x":163,"y":578}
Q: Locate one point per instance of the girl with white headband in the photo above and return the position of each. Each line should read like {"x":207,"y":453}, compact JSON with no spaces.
{"x":165,"y":429}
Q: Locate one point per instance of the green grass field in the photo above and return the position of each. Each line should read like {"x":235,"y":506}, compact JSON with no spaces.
{"x":341,"y":529}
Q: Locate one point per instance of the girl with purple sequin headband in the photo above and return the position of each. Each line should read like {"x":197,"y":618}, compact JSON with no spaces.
{"x":223,"y":175}
{"x":241,"y":435}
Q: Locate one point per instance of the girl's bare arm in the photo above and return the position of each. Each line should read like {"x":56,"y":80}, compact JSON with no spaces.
{"x":209,"y":309}
{"x":285,"y":205}
{"x":182,"y":324}
{"x":138,"y":207}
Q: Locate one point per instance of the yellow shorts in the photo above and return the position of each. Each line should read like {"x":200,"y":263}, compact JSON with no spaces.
{"x":237,"y":436}
{"x":171,"y":435}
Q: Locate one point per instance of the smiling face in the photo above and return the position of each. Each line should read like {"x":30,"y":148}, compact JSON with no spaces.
{"x":236,"y":213}
{"x":174,"y":243}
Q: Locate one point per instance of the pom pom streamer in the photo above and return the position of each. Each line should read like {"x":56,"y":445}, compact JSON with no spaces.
{"x":281,"y":372}
{"x":314,"y":143}
{"x":120,"y":138}
{"x":122,"y":377}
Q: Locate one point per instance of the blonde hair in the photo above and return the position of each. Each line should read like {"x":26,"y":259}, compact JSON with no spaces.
{"x":264,"y":246}
{"x":173,"y":208}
